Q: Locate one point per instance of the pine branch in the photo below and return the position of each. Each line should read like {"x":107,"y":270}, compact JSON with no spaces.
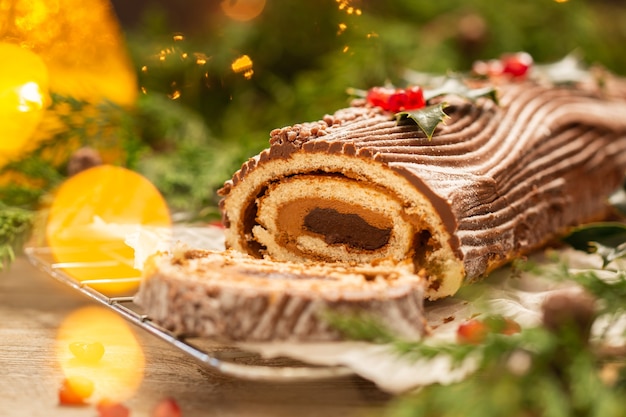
{"x":549,"y":370}
{"x":15,"y":227}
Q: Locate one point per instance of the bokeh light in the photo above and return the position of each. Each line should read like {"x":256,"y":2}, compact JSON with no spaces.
{"x":91,"y":215}
{"x":80,"y":43}
{"x":23,"y":97}
{"x":348,"y":7}
{"x":118,"y":373}
{"x":242,"y":10}
{"x":171,"y":59}
{"x":243,"y":65}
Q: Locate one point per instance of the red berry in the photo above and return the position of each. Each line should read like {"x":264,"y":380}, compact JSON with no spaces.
{"x":415,"y":98}
{"x":75,"y":390}
{"x":379,"y":96}
{"x":107,"y":408}
{"x":472,"y":331}
{"x":503,"y":325}
{"x":167,"y":408}
{"x":517,"y":65}
{"x":396,"y":100}
{"x":475,"y":331}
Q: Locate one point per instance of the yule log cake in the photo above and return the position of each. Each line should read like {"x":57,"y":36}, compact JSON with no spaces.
{"x":496,"y":179}
{"x":232,"y":296}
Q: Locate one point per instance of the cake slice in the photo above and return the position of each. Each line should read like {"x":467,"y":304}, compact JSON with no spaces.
{"x":231,"y":296}
{"x":495,"y":181}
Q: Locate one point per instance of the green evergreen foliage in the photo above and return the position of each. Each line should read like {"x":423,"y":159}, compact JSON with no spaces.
{"x":545,"y":371}
{"x":304,"y":62}
{"x":15,"y":225}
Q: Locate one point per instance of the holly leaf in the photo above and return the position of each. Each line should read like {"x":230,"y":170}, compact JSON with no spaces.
{"x":454,"y":86}
{"x":609,"y":234}
{"x":607,"y":239}
{"x":427,"y":118}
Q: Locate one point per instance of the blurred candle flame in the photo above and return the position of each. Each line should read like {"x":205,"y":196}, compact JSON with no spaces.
{"x":23,"y":97}
{"x":119,"y":372}
{"x":30,"y":97}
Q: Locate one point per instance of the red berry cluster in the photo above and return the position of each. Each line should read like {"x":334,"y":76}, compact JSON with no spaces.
{"x":396,"y":99}
{"x":475,"y":331}
{"x":76,"y":390}
{"x":516,"y":65}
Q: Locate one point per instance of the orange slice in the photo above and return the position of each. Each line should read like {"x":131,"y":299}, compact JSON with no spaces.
{"x":89,"y":219}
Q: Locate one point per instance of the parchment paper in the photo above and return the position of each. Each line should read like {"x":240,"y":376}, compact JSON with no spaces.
{"x":513,"y":295}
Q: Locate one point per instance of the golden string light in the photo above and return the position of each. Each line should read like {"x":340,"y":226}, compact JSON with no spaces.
{"x":348,"y":8}
{"x":243,"y":64}
{"x":201,"y":58}
{"x":173,"y":54}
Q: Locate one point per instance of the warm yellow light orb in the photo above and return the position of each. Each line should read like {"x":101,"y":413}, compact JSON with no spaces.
{"x":92,"y":214}
{"x":23,"y":97}
{"x":118,"y":373}
{"x":80,"y":42}
{"x":242,"y":10}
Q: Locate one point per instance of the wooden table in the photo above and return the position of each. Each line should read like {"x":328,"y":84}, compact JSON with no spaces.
{"x":32,"y":306}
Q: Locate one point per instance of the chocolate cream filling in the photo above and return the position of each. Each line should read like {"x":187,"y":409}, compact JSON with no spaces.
{"x":335,"y":222}
{"x":345,"y":228}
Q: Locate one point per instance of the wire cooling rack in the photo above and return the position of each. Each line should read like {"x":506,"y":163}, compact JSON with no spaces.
{"x":227,"y":360}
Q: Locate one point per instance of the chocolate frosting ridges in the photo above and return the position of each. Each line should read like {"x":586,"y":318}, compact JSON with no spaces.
{"x":504,"y":177}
